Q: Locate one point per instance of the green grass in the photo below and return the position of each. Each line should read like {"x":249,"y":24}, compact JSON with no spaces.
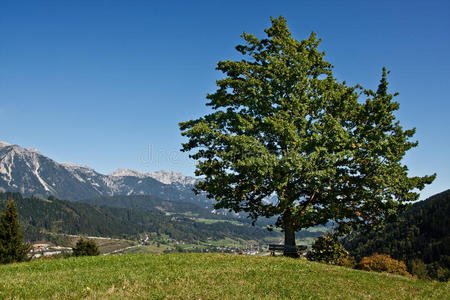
{"x":204,"y":276}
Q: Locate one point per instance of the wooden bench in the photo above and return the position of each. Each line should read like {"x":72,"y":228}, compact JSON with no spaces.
{"x":294,"y":250}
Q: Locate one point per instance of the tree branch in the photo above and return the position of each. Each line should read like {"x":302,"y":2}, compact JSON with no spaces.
{"x":307,"y":203}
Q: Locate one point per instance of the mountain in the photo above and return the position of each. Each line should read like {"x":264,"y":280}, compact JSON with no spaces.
{"x":166,"y":177}
{"x":420,"y":238}
{"x":29,"y":172}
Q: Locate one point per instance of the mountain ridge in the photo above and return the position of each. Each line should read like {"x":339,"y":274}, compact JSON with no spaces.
{"x":29,"y":172}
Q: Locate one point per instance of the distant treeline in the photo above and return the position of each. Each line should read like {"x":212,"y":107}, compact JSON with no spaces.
{"x":38,"y":216}
{"x":421,"y":238}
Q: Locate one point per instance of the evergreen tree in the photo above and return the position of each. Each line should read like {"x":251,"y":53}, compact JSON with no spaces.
{"x":12,"y":247}
{"x":282,"y":124}
{"x":85,"y":247}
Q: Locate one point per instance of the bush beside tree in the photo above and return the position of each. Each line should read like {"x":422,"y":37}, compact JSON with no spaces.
{"x":328,"y":249}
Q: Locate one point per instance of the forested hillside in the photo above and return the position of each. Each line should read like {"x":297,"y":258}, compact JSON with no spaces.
{"x":155,"y":204}
{"x":421,"y":238}
{"x":151,"y":204}
{"x":52,"y":215}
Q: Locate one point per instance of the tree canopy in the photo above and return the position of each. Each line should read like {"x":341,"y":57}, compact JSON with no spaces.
{"x":282,"y":124}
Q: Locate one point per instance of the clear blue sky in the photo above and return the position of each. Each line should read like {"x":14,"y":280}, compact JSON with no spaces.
{"x":105,"y":83}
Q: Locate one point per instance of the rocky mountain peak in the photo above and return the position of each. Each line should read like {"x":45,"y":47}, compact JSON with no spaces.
{"x":4,"y":144}
{"x":17,"y":149}
{"x":170,"y":177}
{"x":72,"y":166}
{"x":127,"y":172}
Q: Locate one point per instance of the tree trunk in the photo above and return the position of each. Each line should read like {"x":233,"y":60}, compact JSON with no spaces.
{"x":289,"y":236}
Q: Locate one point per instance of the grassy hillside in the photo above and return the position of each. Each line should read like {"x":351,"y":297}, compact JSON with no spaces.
{"x":204,"y":276}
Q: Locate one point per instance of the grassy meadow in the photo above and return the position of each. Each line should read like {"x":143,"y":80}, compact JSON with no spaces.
{"x":204,"y":276}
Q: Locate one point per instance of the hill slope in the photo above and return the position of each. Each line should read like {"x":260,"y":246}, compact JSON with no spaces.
{"x":422,"y":235}
{"x":204,"y":276}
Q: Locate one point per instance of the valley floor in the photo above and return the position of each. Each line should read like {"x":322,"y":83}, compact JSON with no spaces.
{"x":204,"y":276}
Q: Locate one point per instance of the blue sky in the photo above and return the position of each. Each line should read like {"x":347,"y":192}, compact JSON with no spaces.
{"x":105,"y":83}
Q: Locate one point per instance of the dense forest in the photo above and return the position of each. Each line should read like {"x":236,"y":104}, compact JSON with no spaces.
{"x":152,"y":204}
{"x":38,"y":216}
{"x":155,"y":204}
{"x":420,"y":238}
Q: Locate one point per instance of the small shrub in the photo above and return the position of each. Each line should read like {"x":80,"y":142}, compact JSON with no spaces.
{"x":347,"y":261}
{"x":329,"y":250}
{"x":418,"y":268}
{"x":383,"y":263}
{"x":438,"y":272}
{"x":85,"y":248}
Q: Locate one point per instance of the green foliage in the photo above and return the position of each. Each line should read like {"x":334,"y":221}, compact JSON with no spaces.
{"x":12,"y":248}
{"x":422,"y":234}
{"x":85,"y":247}
{"x":203,"y":276}
{"x":328,"y":249}
{"x":383,"y":263}
{"x":283,"y":124}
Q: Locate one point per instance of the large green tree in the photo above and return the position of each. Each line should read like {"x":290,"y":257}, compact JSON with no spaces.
{"x":12,"y":247}
{"x":282,"y":124}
